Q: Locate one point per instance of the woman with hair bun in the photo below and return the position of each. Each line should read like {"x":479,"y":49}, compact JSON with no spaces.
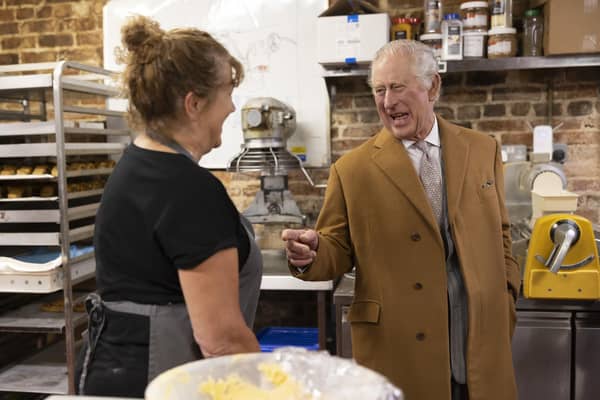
{"x":178,"y":271}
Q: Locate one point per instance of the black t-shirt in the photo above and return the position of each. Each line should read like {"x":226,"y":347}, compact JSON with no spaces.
{"x":160,"y":212}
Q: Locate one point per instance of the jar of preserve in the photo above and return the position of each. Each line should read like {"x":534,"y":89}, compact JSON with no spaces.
{"x":433,"y":40}
{"x":474,"y":15}
{"x":502,"y":42}
{"x":401,"y":28}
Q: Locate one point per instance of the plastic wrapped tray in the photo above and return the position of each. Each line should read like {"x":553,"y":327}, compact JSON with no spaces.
{"x":320,"y":375}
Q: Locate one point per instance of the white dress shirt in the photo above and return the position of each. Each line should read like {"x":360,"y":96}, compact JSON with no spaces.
{"x":434,"y":146}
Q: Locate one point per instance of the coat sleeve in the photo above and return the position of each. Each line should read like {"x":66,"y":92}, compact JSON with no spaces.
{"x":334,"y":254}
{"x":513,"y":274}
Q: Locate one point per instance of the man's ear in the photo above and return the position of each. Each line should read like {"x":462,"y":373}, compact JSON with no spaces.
{"x":193,"y":104}
{"x":434,"y":91}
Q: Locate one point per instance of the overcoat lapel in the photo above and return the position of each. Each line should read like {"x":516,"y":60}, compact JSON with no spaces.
{"x":392,"y":158}
{"x":455,"y":156}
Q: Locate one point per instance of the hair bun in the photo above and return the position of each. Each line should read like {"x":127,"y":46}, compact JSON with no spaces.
{"x":140,"y":32}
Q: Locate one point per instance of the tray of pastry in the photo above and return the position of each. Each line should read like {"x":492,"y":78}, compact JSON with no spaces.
{"x":48,"y":191}
{"x":11,"y":172}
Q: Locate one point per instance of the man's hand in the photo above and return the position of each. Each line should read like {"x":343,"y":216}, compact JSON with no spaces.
{"x":301,"y":246}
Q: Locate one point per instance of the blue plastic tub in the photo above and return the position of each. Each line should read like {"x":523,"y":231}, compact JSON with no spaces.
{"x":273,"y":337}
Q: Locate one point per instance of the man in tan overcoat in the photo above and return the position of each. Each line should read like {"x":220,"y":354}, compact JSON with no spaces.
{"x":436,"y":284}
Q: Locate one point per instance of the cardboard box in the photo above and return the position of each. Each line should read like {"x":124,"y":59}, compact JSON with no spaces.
{"x":570,"y":27}
{"x":350,"y":32}
{"x":351,"y":39}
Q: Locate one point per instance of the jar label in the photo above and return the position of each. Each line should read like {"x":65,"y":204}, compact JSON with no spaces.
{"x":400,"y":35}
{"x":498,"y":7}
{"x":453,"y":40}
{"x":474,"y":46}
{"x":475,"y":20}
{"x":502,"y":47}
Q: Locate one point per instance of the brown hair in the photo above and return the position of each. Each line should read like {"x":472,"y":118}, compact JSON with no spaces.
{"x":163,"y":66}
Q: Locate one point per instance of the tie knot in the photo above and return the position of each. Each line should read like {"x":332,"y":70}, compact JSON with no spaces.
{"x":422,"y":145}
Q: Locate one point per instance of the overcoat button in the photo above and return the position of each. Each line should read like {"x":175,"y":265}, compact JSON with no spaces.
{"x":415,"y":237}
{"x":420,"y":336}
{"x":418,"y":286}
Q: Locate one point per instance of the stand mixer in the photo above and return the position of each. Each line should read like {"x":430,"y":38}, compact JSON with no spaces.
{"x":267,"y":123}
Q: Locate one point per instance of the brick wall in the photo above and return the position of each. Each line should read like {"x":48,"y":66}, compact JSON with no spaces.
{"x":502,"y":104}
{"x":51,"y":30}
{"x":499,"y":103}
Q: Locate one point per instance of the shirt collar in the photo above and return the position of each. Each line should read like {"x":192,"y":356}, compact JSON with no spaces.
{"x":433,"y":138}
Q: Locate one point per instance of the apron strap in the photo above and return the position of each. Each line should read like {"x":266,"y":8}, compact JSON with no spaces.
{"x":170,"y":143}
{"x":97,"y":320}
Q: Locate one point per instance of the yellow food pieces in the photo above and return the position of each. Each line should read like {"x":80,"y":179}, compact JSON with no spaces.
{"x":234,"y":387}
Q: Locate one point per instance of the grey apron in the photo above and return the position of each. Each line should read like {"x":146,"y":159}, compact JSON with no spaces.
{"x":171,"y":321}
{"x":251,"y":272}
{"x":250,"y":277}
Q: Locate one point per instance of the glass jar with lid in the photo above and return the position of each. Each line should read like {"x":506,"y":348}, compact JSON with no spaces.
{"x":533,"y":33}
{"x":401,"y":29}
{"x":474,"y":15}
{"x":433,"y":40}
{"x":502,"y":42}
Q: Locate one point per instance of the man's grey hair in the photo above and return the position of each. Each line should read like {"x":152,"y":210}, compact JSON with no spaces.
{"x":423,"y":62}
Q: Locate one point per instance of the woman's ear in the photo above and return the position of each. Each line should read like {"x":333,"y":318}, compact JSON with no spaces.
{"x":193,"y":104}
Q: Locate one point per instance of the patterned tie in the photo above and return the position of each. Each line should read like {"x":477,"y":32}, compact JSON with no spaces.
{"x":431,"y":178}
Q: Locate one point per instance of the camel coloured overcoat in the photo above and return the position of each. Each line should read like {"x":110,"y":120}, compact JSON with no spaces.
{"x":376,"y":217}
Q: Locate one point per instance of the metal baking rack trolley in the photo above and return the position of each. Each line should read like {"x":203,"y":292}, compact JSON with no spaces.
{"x":59,"y":141}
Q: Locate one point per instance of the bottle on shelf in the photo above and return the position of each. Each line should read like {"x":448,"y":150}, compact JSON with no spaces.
{"x":533,"y":33}
{"x":415,"y":22}
{"x":433,"y":16}
{"x":501,"y":14}
{"x":452,"y":37}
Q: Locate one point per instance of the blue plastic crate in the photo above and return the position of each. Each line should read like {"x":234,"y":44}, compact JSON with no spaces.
{"x":273,"y":337}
